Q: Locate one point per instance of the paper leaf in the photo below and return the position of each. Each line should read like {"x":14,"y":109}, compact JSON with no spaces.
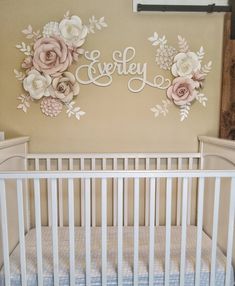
{"x":184,"y":111}
{"x":161,"y":109}
{"x":183,"y":45}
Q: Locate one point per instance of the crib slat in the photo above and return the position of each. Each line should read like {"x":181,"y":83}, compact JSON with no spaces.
{"x":37,"y":206}
{"x":199,"y":230}
{"x":114,"y":194}
{"x":126,"y":194}
{"x":21,"y":231}
{"x":104,"y":164}
{"x":48,"y":167}
{"x":71,"y":232}
{"x":151,"y":232}
{"x":82,"y":167}
{"x":168,"y":230}
{"x":55,"y":231}
{"x":136,"y":163}
{"x":230,"y":234}
{"x":158,"y":194}
{"x":93,"y":195}
{"x":5,"y":243}
{"x":184,"y":232}
{"x":190,"y":191}
{"x":37,"y":164}
{"x":104,"y":230}
{"x":120,"y":229}
{"x":61,"y":215}
{"x":136,"y":231}
{"x":88,"y":230}
{"x":179,"y":185}
{"x":147,"y":194}
{"x":27,"y":193}
{"x":169,"y":164}
{"x":214,"y":231}
{"x":71,"y":164}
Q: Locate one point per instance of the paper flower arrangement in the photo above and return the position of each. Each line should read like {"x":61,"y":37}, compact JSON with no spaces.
{"x":189,"y":75}
{"x":49,"y":55}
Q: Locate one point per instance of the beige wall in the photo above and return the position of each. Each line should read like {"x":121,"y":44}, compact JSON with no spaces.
{"x":116,"y":119}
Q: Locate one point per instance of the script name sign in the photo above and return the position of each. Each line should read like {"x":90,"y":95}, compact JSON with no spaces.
{"x":100,"y":73}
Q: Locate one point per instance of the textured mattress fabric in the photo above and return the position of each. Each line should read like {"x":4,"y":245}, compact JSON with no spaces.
{"x":112,"y":257}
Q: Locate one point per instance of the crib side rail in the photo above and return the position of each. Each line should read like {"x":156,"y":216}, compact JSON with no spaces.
{"x":53,"y":177}
{"x":114,"y":162}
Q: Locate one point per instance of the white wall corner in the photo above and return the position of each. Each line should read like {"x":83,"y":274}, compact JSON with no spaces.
{"x":135,"y":2}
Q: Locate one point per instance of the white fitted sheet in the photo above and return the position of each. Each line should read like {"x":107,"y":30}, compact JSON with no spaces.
{"x":112,"y":257}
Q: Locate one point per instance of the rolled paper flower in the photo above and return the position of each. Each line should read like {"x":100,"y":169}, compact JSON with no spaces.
{"x":182,"y":90}
{"x":185,"y":65}
{"x":27,"y":63}
{"x":51,"y":56}
{"x":73,"y":32}
{"x":37,"y":85}
{"x":65,"y":87}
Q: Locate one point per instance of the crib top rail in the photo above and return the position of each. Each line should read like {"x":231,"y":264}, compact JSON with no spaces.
{"x":112,"y":155}
{"x":117,"y":174}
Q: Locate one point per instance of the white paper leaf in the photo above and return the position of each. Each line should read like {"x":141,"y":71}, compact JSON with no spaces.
{"x":207,"y":67}
{"x":201,"y":98}
{"x":184,"y":111}
{"x":201,"y":53}
{"x":96,"y":24}
{"x":161,"y":109}
{"x":66,"y":15}
{"x":183,"y":45}
{"x":19,"y":75}
{"x":20,"y":106}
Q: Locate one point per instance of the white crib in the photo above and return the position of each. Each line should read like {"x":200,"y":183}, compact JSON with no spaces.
{"x":120,"y":219}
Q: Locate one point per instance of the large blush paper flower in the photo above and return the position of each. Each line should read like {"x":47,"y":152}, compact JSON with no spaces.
{"x":65,"y":87}
{"x":51,"y":56}
{"x":73,"y":32}
{"x":182,"y":90}
{"x":185,"y":64}
{"x":37,"y":84}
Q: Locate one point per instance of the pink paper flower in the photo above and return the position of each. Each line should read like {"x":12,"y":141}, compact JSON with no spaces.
{"x":182,"y":90}
{"x":200,"y":77}
{"x":51,"y":56}
{"x":51,"y":106}
{"x":27,"y":63}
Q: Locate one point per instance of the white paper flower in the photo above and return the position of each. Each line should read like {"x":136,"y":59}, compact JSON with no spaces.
{"x":185,"y":64}
{"x":37,"y":84}
{"x":73,"y":32}
{"x":51,"y":29}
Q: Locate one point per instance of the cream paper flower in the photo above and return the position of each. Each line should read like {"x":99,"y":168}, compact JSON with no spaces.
{"x":185,"y":65}
{"x":37,"y":84}
{"x":73,"y":32}
{"x":65,"y":87}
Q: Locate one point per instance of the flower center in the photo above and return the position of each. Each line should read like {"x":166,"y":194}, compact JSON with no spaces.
{"x":186,"y":65}
{"x":72,"y":30}
{"x":37,"y":84}
{"x":61,"y":87}
{"x":182,"y":91}
{"x":50,"y":55}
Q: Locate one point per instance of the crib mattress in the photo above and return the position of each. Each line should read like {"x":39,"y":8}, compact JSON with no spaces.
{"x":112,"y":257}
